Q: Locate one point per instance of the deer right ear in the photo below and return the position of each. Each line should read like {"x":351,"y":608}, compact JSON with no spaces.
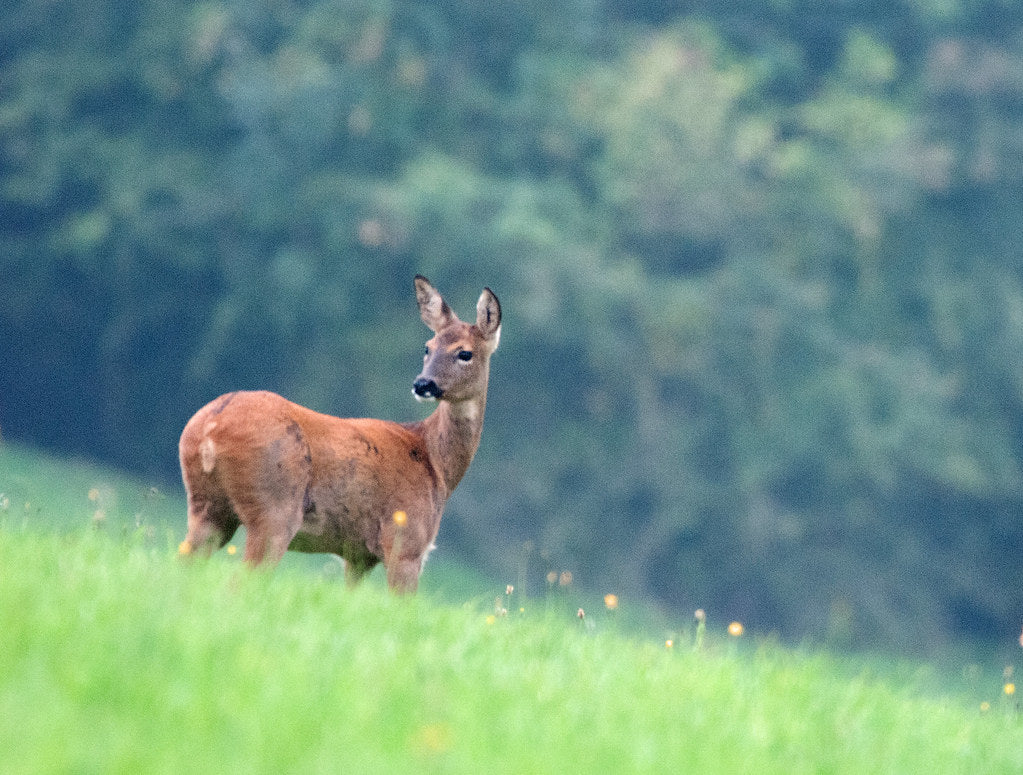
{"x":432,"y":308}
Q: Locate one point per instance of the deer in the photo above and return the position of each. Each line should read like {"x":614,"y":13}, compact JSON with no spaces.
{"x":364,"y":489}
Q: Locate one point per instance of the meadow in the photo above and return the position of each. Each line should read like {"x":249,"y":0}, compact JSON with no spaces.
{"x":118,"y":656}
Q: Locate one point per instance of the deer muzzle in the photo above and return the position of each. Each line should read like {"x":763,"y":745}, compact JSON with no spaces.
{"x":426,"y":389}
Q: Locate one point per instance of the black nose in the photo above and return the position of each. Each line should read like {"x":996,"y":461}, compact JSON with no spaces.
{"x":426,"y":388}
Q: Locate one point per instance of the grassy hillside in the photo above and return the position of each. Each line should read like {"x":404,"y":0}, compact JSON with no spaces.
{"x":118,"y":657}
{"x":39,"y":490}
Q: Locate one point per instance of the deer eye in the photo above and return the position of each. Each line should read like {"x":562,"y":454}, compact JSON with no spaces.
{"x":464,"y":355}
{"x":426,"y":351}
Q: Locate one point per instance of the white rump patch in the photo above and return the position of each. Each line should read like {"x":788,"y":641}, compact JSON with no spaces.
{"x":208,"y":455}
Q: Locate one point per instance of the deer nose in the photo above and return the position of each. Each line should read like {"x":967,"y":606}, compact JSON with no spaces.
{"x":426,"y":388}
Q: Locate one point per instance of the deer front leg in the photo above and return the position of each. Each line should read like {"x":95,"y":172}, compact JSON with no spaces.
{"x":403,"y":574}
{"x":407,"y":541}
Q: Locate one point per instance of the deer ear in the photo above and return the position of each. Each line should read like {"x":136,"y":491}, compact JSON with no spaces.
{"x":488,"y":317}
{"x":432,"y":308}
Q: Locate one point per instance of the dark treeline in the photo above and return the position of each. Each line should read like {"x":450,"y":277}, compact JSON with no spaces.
{"x":761,"y":265}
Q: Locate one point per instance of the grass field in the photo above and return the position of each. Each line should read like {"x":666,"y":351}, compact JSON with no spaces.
{"x":118,"y":657}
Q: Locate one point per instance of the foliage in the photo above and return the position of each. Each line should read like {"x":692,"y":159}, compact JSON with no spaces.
{"x":760,"y":270}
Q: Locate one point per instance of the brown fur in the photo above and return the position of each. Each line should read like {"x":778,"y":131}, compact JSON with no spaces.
{"x":310,"y":482}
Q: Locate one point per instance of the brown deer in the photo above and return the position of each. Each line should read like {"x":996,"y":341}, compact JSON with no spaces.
{"x":367,"y":490}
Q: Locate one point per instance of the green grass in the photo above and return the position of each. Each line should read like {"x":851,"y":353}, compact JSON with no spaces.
{"x":39,"y":490}
{"x":118,"y":657}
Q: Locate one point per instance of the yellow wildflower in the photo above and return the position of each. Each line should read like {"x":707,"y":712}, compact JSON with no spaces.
{"x":435,"y":738}
{"x":735,"y":629}
{"x":610,"y":602}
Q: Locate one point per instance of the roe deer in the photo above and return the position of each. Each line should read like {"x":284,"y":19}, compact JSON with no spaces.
{"x":367,"y":490}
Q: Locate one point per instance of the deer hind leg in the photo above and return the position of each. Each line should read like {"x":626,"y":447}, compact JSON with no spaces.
{"x":210,"y":526}
{"x":272,"y":514}
{"x":269,"y":492}
{"x":270,"y":532}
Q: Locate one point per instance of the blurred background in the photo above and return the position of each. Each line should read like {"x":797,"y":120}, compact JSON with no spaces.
{"x":761,"y":267}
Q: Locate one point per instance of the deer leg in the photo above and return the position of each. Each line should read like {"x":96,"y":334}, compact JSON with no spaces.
{"x":208,"y":528}
{"x":405,"y":548}
{"x":255,"y":542}
{"x":268,"y":539}
{"x":403,"y":574}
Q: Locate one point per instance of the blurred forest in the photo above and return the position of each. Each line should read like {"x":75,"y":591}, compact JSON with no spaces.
{"x":761,"y":267}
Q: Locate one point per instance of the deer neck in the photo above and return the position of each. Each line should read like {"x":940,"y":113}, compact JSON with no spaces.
{"x":452,"y":435}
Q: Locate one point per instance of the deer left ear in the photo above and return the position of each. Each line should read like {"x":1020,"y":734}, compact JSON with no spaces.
{"x":488,"y":317}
